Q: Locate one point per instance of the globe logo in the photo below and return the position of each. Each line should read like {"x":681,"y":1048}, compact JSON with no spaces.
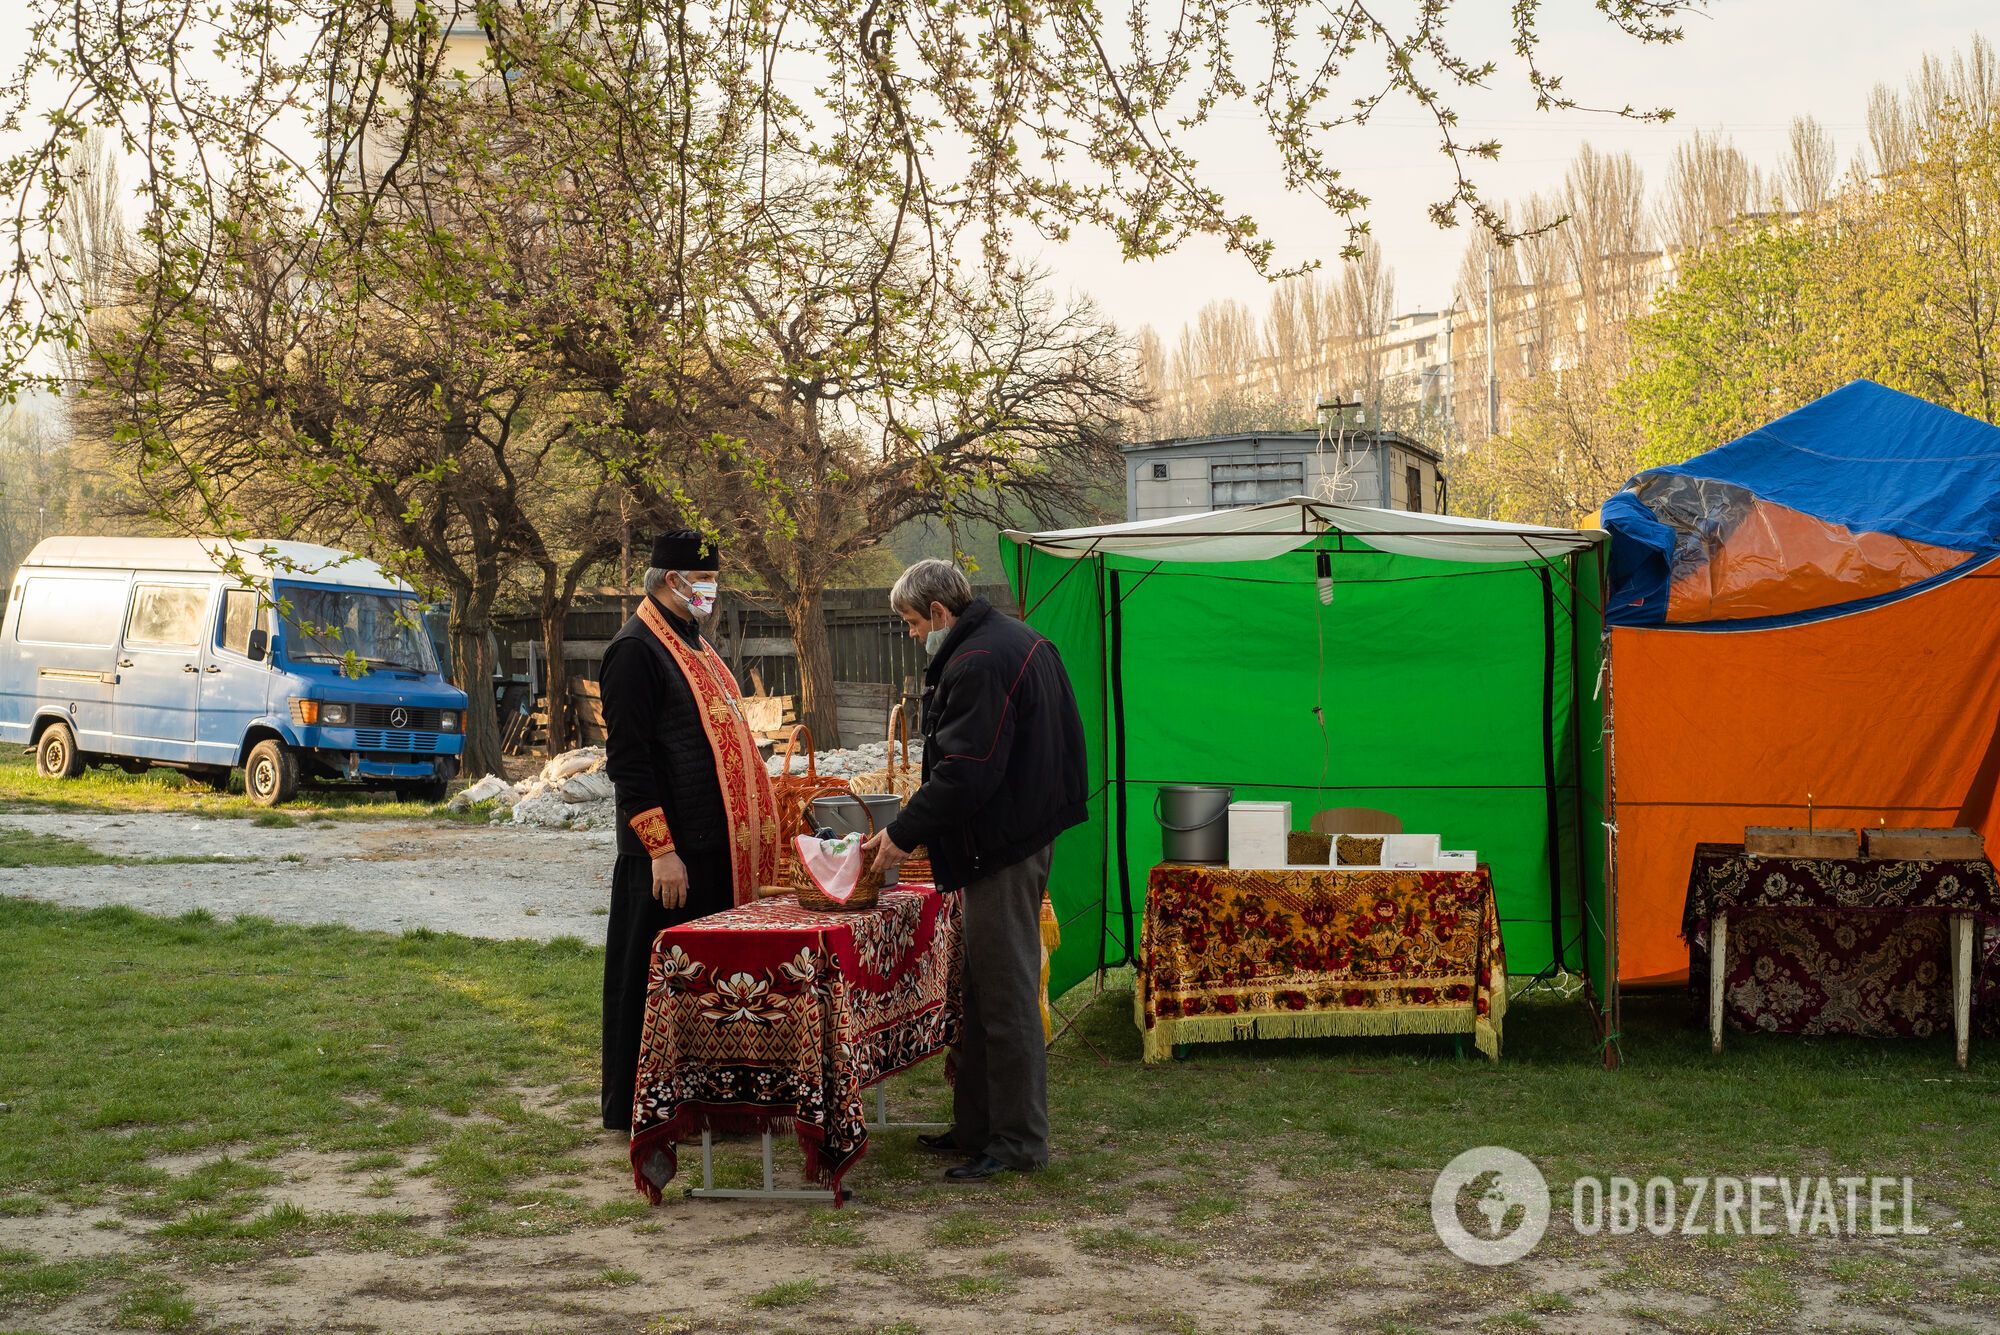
{"x":1509,"y":1199}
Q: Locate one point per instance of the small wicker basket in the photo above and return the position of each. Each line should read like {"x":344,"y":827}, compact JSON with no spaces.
{"x":867,"y":890}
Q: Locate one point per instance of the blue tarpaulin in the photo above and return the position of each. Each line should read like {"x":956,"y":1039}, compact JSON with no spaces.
{"x":1862,"y":496}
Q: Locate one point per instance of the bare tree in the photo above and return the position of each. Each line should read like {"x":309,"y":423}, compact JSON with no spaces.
{"x":1809,"y":167}
{"x":1606,"y":241}
{"x":1710,"y":184}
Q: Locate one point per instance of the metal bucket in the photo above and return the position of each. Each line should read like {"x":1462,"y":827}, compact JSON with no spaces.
{"x":859,"y":813}
{"x":1194,"y":822}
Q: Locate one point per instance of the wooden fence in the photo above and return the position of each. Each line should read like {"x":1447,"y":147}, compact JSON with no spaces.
{"x":875,"y":662}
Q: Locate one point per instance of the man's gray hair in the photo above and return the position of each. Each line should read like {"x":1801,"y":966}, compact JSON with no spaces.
{"x":655,"y":578}
{"x":928,"y":582}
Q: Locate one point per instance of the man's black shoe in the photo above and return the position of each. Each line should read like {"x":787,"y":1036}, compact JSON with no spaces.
{"x":944,"y":1142}
{"x":979,"y":1169}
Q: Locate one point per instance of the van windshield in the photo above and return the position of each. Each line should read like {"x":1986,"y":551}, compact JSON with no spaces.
{"x":382,"y":630}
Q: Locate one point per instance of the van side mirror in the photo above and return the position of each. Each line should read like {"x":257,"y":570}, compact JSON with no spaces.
{"x":260,"y":645}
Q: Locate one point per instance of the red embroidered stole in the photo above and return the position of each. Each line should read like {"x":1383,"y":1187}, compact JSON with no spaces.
{"x":746,"y":787}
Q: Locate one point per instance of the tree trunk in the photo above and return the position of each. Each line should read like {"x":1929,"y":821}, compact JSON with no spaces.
{"x":555,"y":668}
{"x":474,"y":652}
{"x":805,"y":610}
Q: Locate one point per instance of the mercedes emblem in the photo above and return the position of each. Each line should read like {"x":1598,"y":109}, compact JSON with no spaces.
{"x":399,"y":717}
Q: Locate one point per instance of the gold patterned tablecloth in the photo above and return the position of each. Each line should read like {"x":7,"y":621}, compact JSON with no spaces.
{"x":1306,"y":952}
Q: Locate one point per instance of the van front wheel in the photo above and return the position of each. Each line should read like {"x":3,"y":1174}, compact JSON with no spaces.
{"x":271,"y":774}
{"x":56,"y":756}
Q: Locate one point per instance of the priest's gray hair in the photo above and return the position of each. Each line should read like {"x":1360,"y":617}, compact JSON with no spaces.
{"x":929,"y":582}
{"x":655,"y":578}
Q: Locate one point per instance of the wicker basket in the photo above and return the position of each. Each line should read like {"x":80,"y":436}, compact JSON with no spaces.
{"x":897,"y":777}
{"x":794,"y":794}
{"x":1303,"y":848}
{"x":867,"y":890}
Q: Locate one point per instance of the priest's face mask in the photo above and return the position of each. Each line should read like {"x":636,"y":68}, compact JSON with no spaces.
{"x":931,"y":627}
{"x":696,"y":590}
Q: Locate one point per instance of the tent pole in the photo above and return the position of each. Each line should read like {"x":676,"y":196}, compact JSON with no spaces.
{"x":1549,"y":796}
{"x":1104,"y":749}
{"x":1611,"y":1028}
{"x":1118,"y":733}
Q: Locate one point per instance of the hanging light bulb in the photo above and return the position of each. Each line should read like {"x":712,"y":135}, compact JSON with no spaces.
{"x":1325,"y":579}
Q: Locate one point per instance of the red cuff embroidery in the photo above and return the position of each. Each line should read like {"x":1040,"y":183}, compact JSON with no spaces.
{"x":651,"y":827}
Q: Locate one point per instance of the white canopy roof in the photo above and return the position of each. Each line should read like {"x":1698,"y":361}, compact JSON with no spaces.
{"x":1260,"y":532}
{"x":306,"y":562}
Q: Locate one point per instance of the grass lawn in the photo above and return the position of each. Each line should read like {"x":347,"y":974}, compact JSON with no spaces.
{"x":101,"y":790}
{"x":169,"y":1083}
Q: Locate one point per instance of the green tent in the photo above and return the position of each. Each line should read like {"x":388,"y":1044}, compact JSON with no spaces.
{"x":1453,"y":680}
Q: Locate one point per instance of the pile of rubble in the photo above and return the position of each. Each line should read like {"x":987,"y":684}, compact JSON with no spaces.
{"x":843,"y":763}
{"x":572,"y":791}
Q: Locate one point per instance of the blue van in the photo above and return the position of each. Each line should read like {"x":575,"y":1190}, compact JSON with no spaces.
{"x":139,"y":651}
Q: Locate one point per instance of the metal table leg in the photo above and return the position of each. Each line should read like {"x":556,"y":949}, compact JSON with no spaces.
{"x":882,"y":1122}
{"x":1964,"y":929}
{"x":1718,"y":970}
{"x":768,"y":1192}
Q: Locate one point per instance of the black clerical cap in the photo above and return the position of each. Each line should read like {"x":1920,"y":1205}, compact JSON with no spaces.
{"x":683,"y":549}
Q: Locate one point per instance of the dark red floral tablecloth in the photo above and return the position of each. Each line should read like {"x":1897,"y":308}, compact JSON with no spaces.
{"x":1842,"y":946}
{"x":771,"y":1015}
{"x":1304,"y":952}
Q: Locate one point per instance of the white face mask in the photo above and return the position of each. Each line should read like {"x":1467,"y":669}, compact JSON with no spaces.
{"x":935,"y":640}
{"x":701,"y":597}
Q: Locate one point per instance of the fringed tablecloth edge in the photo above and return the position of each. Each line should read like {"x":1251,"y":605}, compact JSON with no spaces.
{"x":1381,"y":1022}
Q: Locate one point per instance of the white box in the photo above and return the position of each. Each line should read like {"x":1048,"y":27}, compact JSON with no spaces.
{"x":1458,"y":859}
{"x":1257,"y":833}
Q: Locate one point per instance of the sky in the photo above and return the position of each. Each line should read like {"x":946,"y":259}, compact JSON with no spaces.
{"x":1745,"y":68}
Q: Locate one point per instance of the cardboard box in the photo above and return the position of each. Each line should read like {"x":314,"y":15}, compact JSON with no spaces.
{"x":1926,"y":845}
{"x":1257,"y":833}
{"x":1783,"y":841}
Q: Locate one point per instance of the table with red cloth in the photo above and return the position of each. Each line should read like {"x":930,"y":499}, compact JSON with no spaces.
{"x":1312,"y":952}
{"x":1840,"y":945}
{"x":771,"y":1015}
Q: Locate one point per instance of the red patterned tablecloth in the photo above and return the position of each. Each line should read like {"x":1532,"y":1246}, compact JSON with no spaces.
{"x":1307,"y":952}
{"x":769,"y":1015}
{"x":1841,"y":945}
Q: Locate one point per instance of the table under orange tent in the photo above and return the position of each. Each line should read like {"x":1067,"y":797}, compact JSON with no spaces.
{"x":1805,"y":630}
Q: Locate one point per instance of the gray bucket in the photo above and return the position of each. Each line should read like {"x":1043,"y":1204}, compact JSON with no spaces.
{"x":843,"y":813}
{"x":1194,"y":822}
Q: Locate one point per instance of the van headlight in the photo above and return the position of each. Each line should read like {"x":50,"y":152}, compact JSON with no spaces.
{"x":335,"y":716}
{"x":448,"y":721}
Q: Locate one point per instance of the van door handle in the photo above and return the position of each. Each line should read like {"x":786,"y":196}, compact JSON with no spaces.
{"x":124,"y":662}
{"x":189,"y":667}
{"x":213,"y":667}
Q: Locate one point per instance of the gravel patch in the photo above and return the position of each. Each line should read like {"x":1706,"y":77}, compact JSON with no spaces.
{"x":391,"y":876}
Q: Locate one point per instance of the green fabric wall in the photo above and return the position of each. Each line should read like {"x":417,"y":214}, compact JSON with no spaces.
{"x":1431,"y":676}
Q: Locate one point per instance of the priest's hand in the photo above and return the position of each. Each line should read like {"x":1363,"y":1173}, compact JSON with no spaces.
{"x":886,"y":853}
{"x":670,"y":881}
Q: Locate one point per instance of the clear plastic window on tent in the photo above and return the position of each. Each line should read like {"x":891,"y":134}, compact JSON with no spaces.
{"x":1738,"y":557}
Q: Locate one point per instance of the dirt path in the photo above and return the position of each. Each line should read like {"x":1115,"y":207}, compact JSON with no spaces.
{"x":476,"y":880}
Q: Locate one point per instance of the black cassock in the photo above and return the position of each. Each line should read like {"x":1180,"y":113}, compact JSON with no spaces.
{"x":658,"y":757}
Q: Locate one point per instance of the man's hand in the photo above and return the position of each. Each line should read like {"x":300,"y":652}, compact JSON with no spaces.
{"x":886,"y":853}
{"x":670,"y":881}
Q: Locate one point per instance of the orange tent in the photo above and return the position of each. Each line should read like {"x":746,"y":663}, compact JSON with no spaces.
{"x":1805,"y":629}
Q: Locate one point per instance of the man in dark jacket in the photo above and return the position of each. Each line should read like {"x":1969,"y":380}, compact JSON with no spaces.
{"x":1003,"y":776}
